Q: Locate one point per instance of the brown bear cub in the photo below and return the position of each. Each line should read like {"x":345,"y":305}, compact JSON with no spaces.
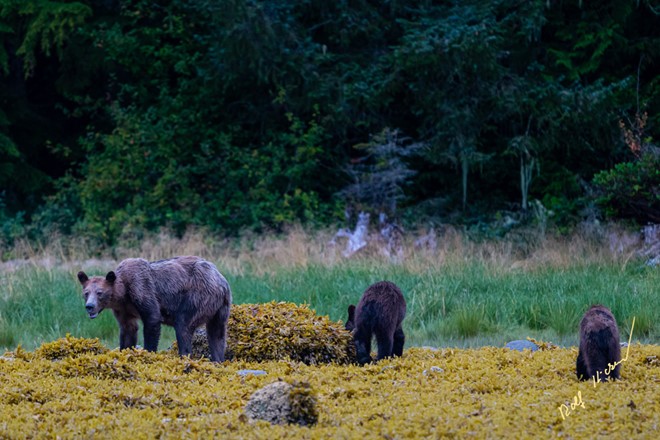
{"x":599,"y":355}
{"x":379,"y":312}
{"x":183,"y":292}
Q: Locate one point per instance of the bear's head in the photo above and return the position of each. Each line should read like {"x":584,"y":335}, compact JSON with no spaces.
{"x":362,"y":352}
{"x":98,"y":292}
{"x":350,"y":323}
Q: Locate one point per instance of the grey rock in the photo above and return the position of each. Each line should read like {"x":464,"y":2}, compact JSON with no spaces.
{"x":521,"y":345}
{"x":271,"y":403}
{"x":433,"y":369}
{"x":252,"y":372}
{"x":277,"y":403}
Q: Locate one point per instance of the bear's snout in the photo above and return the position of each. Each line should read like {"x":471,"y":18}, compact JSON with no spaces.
{"x":91,"y":310}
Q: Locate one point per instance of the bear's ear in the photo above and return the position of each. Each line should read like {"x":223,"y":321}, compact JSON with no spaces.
{"x":82,"y":277}
{"x":351,"y":313}
{"x":111,"y":277}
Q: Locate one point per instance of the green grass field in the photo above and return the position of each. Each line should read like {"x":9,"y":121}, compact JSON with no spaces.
{"x":460,"y":295}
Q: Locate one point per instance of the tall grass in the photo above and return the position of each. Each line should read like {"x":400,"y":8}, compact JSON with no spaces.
{"x":462,"y":293}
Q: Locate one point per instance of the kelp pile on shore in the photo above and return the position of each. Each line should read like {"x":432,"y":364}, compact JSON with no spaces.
{"x":75,"y":388}
{"x":275,"y":330}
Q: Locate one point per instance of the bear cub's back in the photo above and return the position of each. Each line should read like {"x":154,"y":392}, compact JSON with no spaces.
{"x":382,"y":299}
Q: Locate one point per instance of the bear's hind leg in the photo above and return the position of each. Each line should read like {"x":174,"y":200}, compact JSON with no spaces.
{"x":399,"y":340}
{"x":216,"y":332}
{"x":597,"y":355}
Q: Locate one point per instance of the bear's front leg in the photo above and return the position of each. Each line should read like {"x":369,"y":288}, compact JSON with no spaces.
{"x":151,"y":334}
{"x":363,"y":347}
{"x":399,"y":341}
{"x":385,"y":343}
{"x":581,"y":368}
{"x":128,"y":335}
{"x":151,"y":322}
{"x":128,"y":330}
{"x":184,"y":334}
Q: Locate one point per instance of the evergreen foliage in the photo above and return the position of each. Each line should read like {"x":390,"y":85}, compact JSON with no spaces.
{"x":233,"y":114}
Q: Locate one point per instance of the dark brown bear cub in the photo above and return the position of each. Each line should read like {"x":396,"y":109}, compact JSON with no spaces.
{"x":379,"y":312}
{"x":183,"y":292}
{"x":599,"y":355}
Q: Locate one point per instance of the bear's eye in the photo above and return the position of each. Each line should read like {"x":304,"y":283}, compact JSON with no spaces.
{"x":86,"y":295}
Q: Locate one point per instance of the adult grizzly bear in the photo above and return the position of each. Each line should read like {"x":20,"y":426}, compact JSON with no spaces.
{"x":379,"y":312}
{"x":599,"y":354}
{"x":183,"y":292}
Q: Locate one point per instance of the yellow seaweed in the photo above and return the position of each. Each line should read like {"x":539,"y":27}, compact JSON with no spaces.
{"x":472,"y":393}
{"x":280,"y":330}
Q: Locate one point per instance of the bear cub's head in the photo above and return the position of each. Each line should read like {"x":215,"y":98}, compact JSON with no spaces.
{"x":350,"y":323}
{"x":98,"y":292}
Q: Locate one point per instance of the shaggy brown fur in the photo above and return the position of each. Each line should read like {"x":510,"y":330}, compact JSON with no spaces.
{"x":183,"y":292}
{"x":599,"y":345}
{"x":380,"y":312}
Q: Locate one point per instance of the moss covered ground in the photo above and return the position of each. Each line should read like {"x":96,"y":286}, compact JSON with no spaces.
{"x":76,"y":388}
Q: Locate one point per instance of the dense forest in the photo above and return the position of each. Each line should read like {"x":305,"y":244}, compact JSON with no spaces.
{"x":250,"y":114}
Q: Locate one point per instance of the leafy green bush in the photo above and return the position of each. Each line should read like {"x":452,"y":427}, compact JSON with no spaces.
{"x":631,"y":190}
{"x":11,"y":226}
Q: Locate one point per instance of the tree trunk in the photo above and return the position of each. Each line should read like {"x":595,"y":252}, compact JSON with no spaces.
{"x":465,"y":167}
{"x":526,"y":170}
